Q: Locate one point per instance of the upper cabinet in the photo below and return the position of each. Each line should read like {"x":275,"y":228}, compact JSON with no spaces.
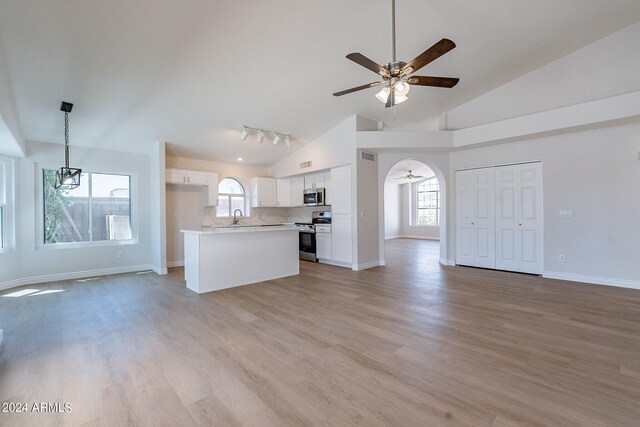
{"x":297,"y":189}
{"x":176,"y":176}
{"x":284,"y":192}
{"x":199,"y":178}
{"x":340,"y":198}
{"x":264,"y":192}
{"x":317,"y":180}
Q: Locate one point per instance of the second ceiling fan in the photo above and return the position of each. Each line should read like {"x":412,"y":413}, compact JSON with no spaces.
{"x":396,"y":75}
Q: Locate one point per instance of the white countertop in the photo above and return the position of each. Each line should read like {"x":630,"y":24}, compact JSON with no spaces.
{"x":241,"y":229}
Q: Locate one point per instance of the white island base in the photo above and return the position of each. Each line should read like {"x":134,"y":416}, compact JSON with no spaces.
{"x":224,"y":258}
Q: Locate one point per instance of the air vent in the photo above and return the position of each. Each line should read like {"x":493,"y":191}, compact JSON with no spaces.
{"x":304,"y":165}
{"x":368,"y":156}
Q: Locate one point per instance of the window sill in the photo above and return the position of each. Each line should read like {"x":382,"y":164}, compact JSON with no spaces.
{"x":426,"y":226}
{"x":80,"y":245}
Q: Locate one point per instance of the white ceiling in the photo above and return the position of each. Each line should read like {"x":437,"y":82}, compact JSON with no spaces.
{"x":400,"y":170}
{"x":191,"y":72}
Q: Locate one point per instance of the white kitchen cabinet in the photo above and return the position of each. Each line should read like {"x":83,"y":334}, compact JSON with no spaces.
{"x":341,"y":190}
{"x":212,"y":189}
{"x":264,"y":192}
{"x":323,"y":243}
{"x":327,"y":188}
{"x":297,"y":190}
{"x":177,"y":176}
{"x":283,"y":192}
{"x":341,"y":239}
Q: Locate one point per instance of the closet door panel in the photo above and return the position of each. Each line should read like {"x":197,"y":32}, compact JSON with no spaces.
{"x":530,"y":220}
{"x":506,"y":217}
{"x":484,"y":221}
{"x":465,"y":253}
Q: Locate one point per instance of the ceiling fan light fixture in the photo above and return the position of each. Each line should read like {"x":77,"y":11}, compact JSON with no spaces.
{"x":244,"y":134}
{"x":402,"y":88}
{"x":383,"y":94}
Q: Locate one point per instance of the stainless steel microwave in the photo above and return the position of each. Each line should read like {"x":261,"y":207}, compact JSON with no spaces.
{"x":314,"y":197}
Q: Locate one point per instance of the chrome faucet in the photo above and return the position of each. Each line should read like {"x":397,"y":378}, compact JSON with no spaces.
{"x":235,"y":219}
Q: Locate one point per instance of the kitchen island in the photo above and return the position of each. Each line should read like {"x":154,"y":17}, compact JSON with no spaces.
{"x":224,"y":257}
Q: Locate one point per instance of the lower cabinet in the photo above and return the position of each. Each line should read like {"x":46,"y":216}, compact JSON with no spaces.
{"x":323,"y":246}
{"x":341,"y":244}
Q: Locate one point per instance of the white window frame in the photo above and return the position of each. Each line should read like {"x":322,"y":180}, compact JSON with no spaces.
{"x":414,"y":201}
{"x":7,"y":204}
{"x":133,"y":200}
{"x":244,"y":195}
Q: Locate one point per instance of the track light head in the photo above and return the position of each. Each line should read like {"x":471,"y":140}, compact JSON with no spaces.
{"x":287,"y":141}
{"x":260,"y":137}
{"x":244,"y":134}
{"x":276,"y":140}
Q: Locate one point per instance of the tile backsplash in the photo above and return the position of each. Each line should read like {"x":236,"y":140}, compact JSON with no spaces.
{"x":266,"y":216}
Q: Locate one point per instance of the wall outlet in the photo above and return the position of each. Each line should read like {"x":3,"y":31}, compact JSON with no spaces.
{"x":119,"y":254}
{"x":566,"y":213}
{"x":562,"y":258}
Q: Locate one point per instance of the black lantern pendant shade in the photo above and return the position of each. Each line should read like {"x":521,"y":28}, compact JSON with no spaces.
{"x":67,"y":178}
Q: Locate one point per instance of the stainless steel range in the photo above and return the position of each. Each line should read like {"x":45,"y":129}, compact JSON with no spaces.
{"x":307,"y":235}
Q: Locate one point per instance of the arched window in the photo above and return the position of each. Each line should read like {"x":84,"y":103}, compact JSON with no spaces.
{"x":428,"y":202}
{"x":230,"y":197}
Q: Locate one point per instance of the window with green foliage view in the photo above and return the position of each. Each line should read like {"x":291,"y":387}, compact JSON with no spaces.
{"x":98,"y":210}
{"x":428,"y":202}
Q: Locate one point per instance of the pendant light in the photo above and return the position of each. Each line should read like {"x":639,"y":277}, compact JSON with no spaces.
{"x":67,"y":178}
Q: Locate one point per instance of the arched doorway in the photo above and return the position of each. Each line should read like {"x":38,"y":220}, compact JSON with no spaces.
{"x":413,"y":212}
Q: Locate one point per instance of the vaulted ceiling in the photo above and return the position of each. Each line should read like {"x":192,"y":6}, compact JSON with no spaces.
{"x":192,"y":72}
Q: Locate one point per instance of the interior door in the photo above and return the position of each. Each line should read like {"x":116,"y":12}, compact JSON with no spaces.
{"x":530,"y":218}
{"x":485,"y":220}
{"x":465,"y":242}
{"x":506,"y":178}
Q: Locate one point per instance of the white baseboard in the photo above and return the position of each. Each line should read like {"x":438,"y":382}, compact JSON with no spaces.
{"x":606,"y":281}
{"x":364,"y":266}
{"x":395,"y":236}
{"x":447,"y":261}
{"x":159,"y":270}
{"x":74,"y":275}
{"x":418,"y":237}
{"x":179,"y":263}
{"x":336,"y":263}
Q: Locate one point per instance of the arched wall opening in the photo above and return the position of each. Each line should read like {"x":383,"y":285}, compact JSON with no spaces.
{"x":390,"y":165}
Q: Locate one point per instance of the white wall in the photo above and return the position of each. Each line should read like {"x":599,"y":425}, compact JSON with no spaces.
{"x":158,"y":220}
{"x":602,"y":69}
{"x":595,"y":173}
{"x":28,"y":263}
{"x":392,"y":210}
{"x":11,"y":138}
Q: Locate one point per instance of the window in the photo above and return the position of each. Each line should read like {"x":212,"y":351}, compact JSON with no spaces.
{"x":230,"y":197}
{"x":428,"y":202}
{"x":98,"y":210}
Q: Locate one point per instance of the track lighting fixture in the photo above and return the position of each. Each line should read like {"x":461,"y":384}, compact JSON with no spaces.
{"x":277,"y":136}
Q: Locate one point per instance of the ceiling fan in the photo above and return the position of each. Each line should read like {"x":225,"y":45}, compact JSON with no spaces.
{"x":396,"y":75}
{"x":410,"y":176}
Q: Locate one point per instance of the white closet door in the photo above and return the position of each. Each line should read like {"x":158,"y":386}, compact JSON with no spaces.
{"x":507,"y":217}
{"x":530,"y":218}
{"x":465,"y":244}
{"x":485,"y":221}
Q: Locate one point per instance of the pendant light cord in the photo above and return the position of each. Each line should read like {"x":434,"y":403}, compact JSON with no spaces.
{"x":66,"y":140}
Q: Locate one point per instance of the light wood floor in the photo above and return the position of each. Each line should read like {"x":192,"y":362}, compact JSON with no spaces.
{"x":409,"y":344}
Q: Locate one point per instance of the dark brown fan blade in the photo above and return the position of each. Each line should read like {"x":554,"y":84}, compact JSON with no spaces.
{"x":433,"y":81}
{"x":360,"y":59}
{"x":429,"y":55}
{"x":355,"y":89}
{"x":391,"y":99}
